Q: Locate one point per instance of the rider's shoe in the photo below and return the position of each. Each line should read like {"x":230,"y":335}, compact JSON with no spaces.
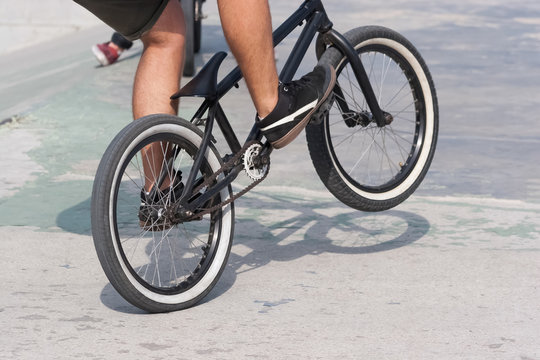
{"x":297,"y":102}
{"x":105,"y":53}
{"x":152,"y":205}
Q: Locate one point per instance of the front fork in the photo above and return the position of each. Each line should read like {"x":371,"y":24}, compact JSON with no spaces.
{"x":334,"y":38}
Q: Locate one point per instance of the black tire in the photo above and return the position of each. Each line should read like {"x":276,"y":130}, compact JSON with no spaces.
{"x":197,"y":28}
{"x":367,"y":167}
{"x":188,"y":7}
{"x":166,"y":269}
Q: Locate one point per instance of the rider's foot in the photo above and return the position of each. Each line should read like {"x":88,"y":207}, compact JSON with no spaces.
{"x":154,"y":203}
{"x":298,"y":100}
{"x":105,"y":53}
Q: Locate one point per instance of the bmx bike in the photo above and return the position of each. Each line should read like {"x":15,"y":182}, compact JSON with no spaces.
{"x":371,"y":144}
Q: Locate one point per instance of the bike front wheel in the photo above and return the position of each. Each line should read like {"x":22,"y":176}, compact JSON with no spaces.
{"x":174,"y":265}
{"x":366,"y":166}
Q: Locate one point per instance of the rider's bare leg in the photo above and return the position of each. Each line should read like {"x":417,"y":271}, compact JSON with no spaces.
{"x":247,"y":27}
{"x":158,"y":76}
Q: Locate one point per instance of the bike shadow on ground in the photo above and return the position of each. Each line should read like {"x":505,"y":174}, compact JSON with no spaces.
{"x":76,"y":219}
{"x":280,"y":227}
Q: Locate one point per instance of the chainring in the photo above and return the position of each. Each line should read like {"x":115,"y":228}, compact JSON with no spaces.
{"x":255,"y":172}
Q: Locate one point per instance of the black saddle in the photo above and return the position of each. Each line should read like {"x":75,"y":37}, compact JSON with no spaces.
{"x":204,"y":84}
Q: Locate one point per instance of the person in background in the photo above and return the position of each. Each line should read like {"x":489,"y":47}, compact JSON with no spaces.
{"x":108,"y":52}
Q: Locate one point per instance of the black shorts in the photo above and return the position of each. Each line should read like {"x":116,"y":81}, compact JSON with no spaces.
{"x":131,"y":18}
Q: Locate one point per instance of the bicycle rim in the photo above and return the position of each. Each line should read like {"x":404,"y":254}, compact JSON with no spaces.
{"x":377,"y":159}
{"x":173,"y":258}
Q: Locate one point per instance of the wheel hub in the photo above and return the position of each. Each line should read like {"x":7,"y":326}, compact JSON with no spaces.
{"x":364,"y":118}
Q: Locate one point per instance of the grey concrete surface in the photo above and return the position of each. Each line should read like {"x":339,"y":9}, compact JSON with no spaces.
{"x":452,"y":273}
{"x":27,"y":23}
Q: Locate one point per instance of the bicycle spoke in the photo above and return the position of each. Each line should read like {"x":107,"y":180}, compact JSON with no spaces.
{"x":369,"y":154}
{"x":162,"y":254}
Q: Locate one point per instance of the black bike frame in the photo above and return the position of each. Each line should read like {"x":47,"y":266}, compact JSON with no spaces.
{"x":312,"y":12}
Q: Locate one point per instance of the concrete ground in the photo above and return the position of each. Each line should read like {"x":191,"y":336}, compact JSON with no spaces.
{"x":452,"y":273}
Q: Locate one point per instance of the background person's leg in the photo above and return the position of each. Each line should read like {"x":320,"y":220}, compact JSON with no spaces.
{"x":108,"y":52}
{"x":120,"y":41}
{"x":247,"y":27}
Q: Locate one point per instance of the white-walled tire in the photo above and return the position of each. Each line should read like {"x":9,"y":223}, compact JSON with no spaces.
{"x":157,"y":270}
{"x":367,"y":167}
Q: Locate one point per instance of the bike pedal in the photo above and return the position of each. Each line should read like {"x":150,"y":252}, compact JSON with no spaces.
{"x":321,"y":113}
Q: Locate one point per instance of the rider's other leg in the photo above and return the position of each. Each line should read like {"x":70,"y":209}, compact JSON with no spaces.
{"x":284,"y":111}
{"x":247,"y":27}
{"x":158,"y":76}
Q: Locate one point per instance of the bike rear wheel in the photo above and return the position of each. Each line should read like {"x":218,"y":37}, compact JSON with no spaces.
{"x":174,"y":265}
{"x":365,"y":166}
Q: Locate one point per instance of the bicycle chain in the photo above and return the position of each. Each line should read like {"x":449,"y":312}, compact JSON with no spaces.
{"x":229,"y":165}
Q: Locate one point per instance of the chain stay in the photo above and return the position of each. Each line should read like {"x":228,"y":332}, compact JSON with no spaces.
{"x":229,"y":165}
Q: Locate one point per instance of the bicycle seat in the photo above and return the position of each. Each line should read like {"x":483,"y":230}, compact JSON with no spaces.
{"x":204,"y":84}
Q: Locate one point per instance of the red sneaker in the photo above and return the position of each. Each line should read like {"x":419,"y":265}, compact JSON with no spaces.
{"x":105,"y":54}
